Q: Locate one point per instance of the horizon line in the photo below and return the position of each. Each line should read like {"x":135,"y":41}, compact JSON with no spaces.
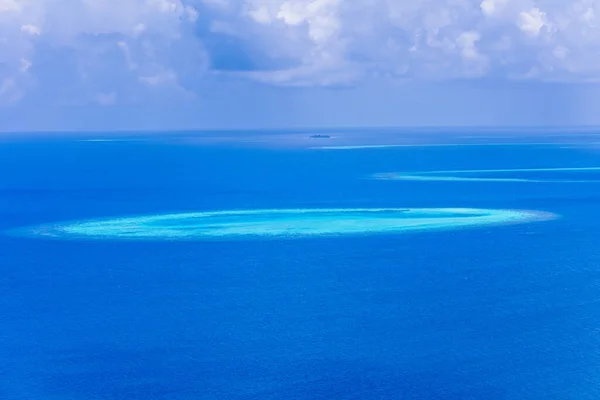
{"x":292,"y":129}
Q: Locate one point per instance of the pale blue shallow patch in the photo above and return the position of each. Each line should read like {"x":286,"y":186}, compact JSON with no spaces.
{"x":285,"y":223}
{"x":463,"y":175}
{"x":384,"y":146}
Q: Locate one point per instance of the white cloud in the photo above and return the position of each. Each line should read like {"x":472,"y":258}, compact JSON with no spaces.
{"x":86,"y":37}
{"x":491,"y":7}
{"x":192,"y":14}
{"x":162,"y":78}
{"x":25,"y":65}
{"x":124,"y":47}
{"x":532,"y":21}
{"x":321,"y":16}
{"x":467,"y":42}
{"x":441,"y":39}
{"x":31,"y":29}
{"x":139,"y":29}
{"x":165,"y":6}
{"x":144,"y":44}
{"x":9,"y":5}
{"x":293,"y":12}
{"x":560,"y":52}
{"x":260,"y":14}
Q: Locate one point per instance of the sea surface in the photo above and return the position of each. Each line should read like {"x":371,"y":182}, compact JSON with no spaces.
{"x":498,"y":311}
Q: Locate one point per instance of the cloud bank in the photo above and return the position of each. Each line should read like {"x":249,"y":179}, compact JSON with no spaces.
{"x":107,"y":52}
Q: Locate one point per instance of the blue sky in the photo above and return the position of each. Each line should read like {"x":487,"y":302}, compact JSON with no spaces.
{"x":186,"y":64}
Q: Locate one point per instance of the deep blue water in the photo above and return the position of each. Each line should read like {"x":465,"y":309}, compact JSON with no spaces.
{"x":509,"y":312}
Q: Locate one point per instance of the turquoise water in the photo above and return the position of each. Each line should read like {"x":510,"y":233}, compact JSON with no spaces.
{"x":292,"y":223}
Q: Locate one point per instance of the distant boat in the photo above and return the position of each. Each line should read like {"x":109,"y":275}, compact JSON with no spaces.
{"x":320,"y":137}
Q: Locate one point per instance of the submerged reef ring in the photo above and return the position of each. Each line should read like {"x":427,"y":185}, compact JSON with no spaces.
{"x":496,"y":175}
{"x":283,"y":223}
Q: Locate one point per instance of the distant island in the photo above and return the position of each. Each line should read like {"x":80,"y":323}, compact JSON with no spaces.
{"x":320,"y":137}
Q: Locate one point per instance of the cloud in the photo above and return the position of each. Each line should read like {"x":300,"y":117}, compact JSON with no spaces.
{"x":429,"y":39}
{"x":74,"y":49}
{"x":162,"y":78}
{"x":9,"y":5}
{"x":25,"y":65}
{"x":320,"y":16}
{"x":260,"y":14}
{"x":532,"y":21}
{"x":31,"y":29}
{"x":467,"y":42}
{"x":102,"y":42}
{"x":491,"y":7}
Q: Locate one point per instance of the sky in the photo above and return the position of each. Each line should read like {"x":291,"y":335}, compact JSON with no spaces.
{"x":236,"y":64}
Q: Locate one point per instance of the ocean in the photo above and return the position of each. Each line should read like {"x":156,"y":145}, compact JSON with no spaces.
{"x":488,"y":310}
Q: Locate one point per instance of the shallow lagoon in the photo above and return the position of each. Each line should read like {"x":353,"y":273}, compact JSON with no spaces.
{"x":292,"y":223}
